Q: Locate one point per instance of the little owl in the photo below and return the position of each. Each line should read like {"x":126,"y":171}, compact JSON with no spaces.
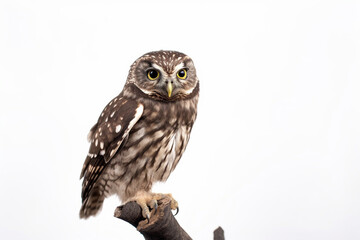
{"x":141,"y":134}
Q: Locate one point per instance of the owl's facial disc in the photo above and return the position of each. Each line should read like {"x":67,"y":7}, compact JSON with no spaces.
{"x":167,"y":76}
{"x":168,"y":81}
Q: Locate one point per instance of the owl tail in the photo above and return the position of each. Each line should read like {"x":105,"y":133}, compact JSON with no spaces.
{"x":92,"y":205}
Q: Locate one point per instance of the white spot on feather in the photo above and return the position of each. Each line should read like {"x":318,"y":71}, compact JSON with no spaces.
{"x":102,"y":145}
{"x":118,"y":128}
{"x":112,"y":114}
{"x":112,"y":152}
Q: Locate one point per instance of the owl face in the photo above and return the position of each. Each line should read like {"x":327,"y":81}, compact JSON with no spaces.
{"x":164,"y":75}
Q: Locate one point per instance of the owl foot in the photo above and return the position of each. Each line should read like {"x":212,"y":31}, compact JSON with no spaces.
{"x":173,"y":203}
{"x":147,"y":201}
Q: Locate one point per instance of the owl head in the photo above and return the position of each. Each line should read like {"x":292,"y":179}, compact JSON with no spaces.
{"x":164,"y":75}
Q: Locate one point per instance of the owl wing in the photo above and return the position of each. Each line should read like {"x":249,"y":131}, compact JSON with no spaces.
{"x":106,"y":137}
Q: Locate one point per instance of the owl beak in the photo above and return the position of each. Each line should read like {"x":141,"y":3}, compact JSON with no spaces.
{"x":169,"y":88}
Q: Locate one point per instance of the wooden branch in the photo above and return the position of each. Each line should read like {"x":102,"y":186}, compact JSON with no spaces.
{"x":219,"y":234}
{"x":162,"y":225}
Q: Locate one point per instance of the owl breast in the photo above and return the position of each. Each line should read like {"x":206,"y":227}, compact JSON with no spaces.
{"x":152,"y":150}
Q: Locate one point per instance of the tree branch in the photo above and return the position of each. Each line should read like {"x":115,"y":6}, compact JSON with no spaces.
{"x":219,"y":234}
{"x":162,"y":225}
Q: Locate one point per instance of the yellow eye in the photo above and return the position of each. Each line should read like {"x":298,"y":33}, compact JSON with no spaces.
{"x":182,"y":74}
{"x":153,"y":74}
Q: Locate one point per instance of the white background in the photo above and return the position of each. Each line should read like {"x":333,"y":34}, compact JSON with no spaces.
{"x":274,"y":153}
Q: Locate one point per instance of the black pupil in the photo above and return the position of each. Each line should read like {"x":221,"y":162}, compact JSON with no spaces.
{"x":153,"y":74}
{"x":182,"y":73}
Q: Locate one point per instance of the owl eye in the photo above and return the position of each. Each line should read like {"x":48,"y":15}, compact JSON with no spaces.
{"x":153,"y":74}
{"x":182,"y":74}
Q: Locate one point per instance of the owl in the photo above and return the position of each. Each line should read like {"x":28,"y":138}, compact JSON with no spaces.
{"x":142,"y":133}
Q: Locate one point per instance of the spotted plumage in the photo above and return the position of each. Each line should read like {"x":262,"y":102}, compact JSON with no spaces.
{"x":142,"y":133}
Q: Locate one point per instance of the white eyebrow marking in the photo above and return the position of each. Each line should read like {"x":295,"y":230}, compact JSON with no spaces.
{"x":157,"y":67}
{"x":178,"y":67}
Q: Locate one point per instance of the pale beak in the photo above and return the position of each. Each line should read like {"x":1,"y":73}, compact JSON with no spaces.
{"x":169,"y":88}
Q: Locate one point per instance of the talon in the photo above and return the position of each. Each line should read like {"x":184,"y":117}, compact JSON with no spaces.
{"x":153,"y":204}
{"x":177,"y":211}
{"x":155,"y":207}
{"x":147,"y":201}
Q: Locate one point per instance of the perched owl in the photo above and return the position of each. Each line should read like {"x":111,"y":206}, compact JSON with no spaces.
{"x":142,"y":133}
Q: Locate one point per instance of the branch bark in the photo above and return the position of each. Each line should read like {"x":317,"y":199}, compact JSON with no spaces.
{"x":162,"y":225}
{"x":219,"y":234}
